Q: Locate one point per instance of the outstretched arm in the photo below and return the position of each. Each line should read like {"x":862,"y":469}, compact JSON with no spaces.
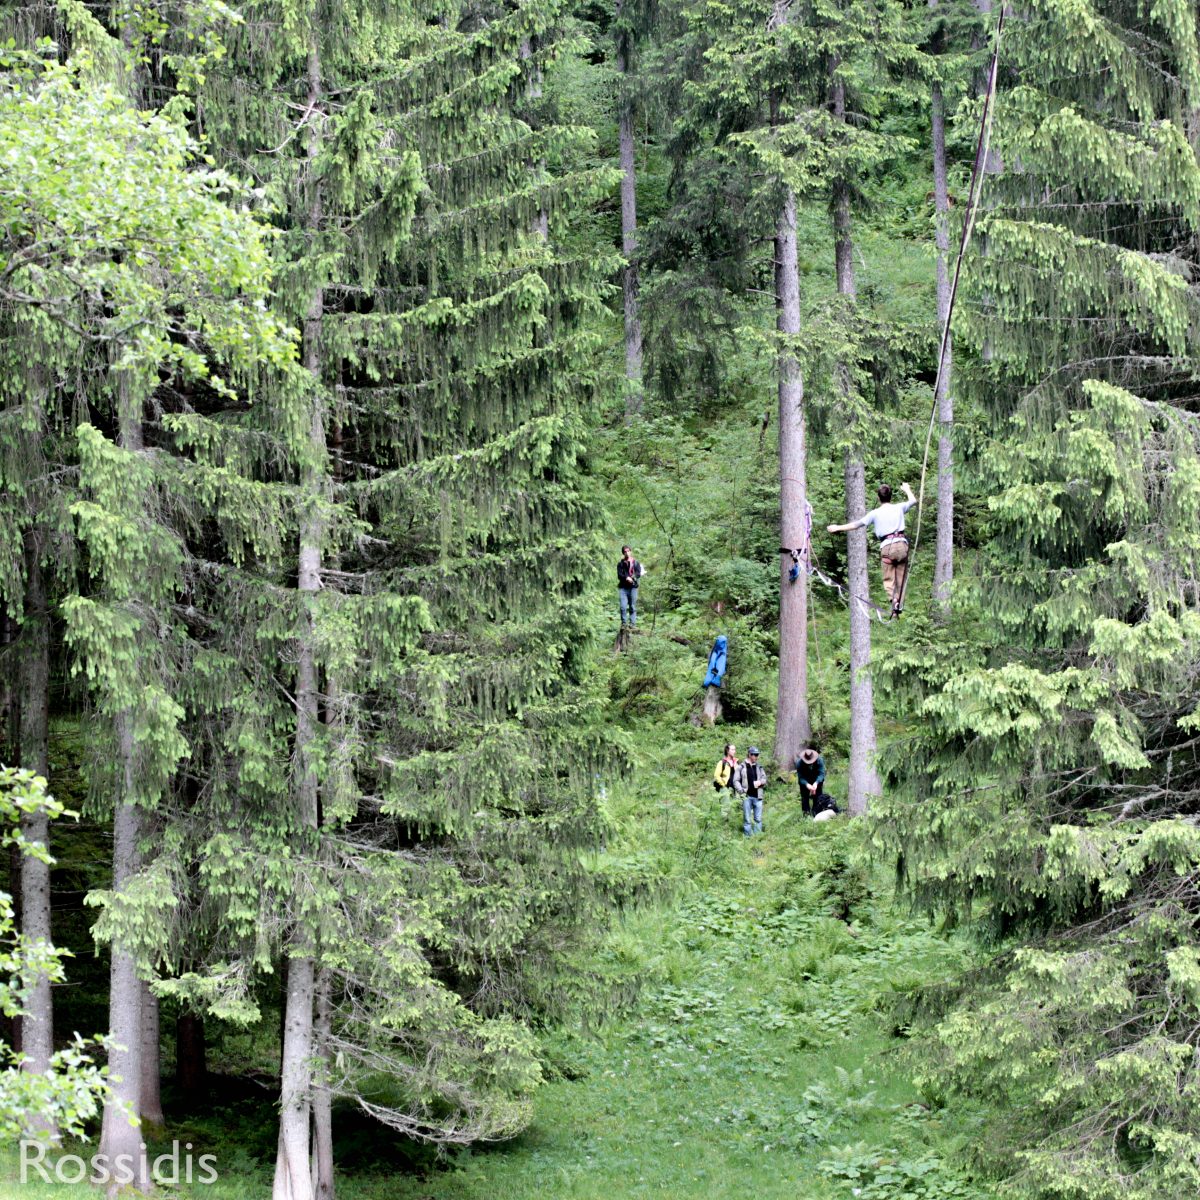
{"x":847,"y":528}
{"x":909,"y":498}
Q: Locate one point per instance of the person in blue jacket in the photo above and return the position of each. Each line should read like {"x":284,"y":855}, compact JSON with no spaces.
{"x":810,"y":775}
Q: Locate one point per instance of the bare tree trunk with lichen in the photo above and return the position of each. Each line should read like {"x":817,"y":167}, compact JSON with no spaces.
{"x":863,"y":780}
{"x":293,"y":1162}
{"x":629,"y":229}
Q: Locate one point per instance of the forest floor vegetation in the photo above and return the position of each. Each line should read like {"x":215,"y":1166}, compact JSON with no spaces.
{"x":765,"y":1053}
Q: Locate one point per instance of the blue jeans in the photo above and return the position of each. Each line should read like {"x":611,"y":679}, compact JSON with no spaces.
{"x":627,"y":598}
{"x":752,"y":814}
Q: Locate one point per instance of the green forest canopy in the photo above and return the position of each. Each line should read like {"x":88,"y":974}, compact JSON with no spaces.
{"x":314,"y":324}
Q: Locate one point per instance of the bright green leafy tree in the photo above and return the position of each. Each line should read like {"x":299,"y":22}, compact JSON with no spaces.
{"x":131,"y":275}
{"x":399,"y":767}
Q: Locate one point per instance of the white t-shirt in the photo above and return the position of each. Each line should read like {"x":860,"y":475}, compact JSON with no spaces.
{"x":887,"y":518}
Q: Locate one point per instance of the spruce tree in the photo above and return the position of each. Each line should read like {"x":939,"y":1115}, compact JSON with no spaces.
{"x":111,"y":301}
{"x":625,"y":28}
{"x":431,"y":683}
{"x":736,"y":71}
{"x":953,"y":33}
{"x":1054,"y":766}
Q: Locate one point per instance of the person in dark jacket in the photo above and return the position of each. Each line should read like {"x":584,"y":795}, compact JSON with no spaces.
{"x":629,"y":571}
{"x":755,"y":779}
{"x":810,"y":775}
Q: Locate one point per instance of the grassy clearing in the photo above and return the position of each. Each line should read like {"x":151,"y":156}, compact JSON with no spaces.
{"x":762,"y":1056}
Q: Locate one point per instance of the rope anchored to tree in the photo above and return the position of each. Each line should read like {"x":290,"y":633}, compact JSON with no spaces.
{"x":977,"y":175}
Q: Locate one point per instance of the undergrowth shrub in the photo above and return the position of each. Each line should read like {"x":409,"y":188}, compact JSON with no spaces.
{"x":746,"y":699}
{"x":845,"y":879}
{"x":876,"y":1173}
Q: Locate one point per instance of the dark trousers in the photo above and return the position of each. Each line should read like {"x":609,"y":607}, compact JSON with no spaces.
{"x":814,"y":802}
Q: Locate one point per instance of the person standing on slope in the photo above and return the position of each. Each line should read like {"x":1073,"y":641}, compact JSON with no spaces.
{"x":629,"y":571}
{"x":888,"y":522}
{"x":725,"y":774}
{"x":755,"y":780}
{"x":810,"y":775}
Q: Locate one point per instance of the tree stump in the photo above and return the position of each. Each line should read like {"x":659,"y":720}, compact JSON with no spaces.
{"x":711,"y":713}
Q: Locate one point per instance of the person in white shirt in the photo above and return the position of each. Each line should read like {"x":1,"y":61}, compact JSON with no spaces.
{"x":888,"y":522}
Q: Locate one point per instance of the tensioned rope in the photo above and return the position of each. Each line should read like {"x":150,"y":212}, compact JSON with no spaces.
{"x":982,"y":144}
{"x":978,"y":175}
{"x":804,"y":556}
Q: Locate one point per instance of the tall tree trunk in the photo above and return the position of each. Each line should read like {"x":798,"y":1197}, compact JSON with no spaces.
{"x":322,"y":1148}
{"x":150,"y":1092}
{"x":293,"y":1165}
{"x":993,"y":164}
{"x":863,"y":780}
{"x":792,"y":727}
{"x":37,"y":1022}
{"x":293,"y":1173}
{"x":843,"y":242}
{"x":541,"y":223}
{"x":11,"y":739}
{"x":943,"y":573}
{"x":120,"y":1135}
{"x":322,"y":1097}
{"x":629,"y":230}
{"x":10,"y":708}
{"x":191,"y":1065}
{"x":120,"y":1139}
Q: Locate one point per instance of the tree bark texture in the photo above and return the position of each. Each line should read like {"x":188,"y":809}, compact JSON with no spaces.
{"x":792,"y":728}
{"x":10,"y":691}
{"x":37,"y":1021}
{"x":863,"y":781}
{"x":993,"y":164}
{"x":150,"y":1092}
{"x":119,"y":1138}
{"x":541,"y":223}
{"x":10,"y":715}
{"x":293,"y":1164}
{"x":322,"y":1096}
{"x":629,"y":232}
{"x":943,"y":573}
{"x":293,"y":1170}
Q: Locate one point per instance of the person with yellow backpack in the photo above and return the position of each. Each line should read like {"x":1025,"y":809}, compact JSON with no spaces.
{"x":728,"y":771}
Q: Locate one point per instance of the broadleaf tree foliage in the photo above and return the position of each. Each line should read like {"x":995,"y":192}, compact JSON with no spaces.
{"x":328,"y":600}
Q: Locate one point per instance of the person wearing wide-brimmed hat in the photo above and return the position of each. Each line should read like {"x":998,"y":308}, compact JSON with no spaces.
{"x":810,"y":775}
